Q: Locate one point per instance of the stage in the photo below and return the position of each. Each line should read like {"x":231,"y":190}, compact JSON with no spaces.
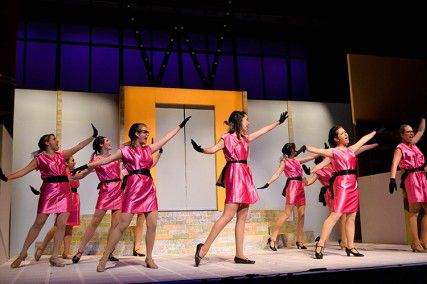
{"x":381,"y":262}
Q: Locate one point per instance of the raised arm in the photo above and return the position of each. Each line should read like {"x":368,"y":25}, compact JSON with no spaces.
{"x":366,"y":148}
{"x":211,"y":150}
{"x":69,"y":152}
{"x":362,"y":141}
{"x":159,"y":144}
{"x":420,"y":131}
{"x":22,"y":172}
{"x":321,"y":165}
{"x":276,"y":174}
{"x":310,"y":180}
{"x":319,"y":151}
{"x":265,"y":129}
{"x":306,"y":158}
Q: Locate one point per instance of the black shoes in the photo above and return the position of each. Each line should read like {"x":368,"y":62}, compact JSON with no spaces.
{"x":273,"y":248}
{"x":318,"y":254}
{"x":197,"y":257}
{"x":135,"y":253}
{"x":353,"y":251}
{"x":243,"y":260}
{"x":111,"y":257}
{"x":77,"y":256}
{"x":300,"y":245}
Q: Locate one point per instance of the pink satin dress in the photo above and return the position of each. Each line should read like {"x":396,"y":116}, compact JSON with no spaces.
{"x":239,"y":185}
{"x":110,"y":195}
{"x":346,"y":193}
{"x":295,"y":188}
{"x":324,"y":175}
{"x":55,"y":197}
{"x":415,"y":182}
{"x":74,"y":218}
{"x":140,"y":192}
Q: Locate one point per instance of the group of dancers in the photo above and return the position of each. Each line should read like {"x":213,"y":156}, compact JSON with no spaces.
{"x":136,"y":193}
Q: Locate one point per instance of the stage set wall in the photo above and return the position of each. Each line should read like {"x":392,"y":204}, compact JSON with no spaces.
{"x":69,"y":114}
{"x":6,"y":165}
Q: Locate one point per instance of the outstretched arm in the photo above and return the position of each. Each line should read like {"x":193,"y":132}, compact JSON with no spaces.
{"x":321,"y":165}
{"x":319,"y":151}
{"x":277,"y":173}
{"x":69,"y":152}
{"x":306,"y":159}
{"x":362,"y":141}
{"x":22,"y":172}
{"x":265,"y":129}
{"x":366,"y":148}
{"x":116,"y":156}
{"x":156,"y":146}
{"x":217,"y":147}
{"x":310,"y":180}
{"x":420,"y":131}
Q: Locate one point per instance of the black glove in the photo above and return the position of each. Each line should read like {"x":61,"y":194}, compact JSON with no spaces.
{"x":306,"y":169}
{"x":392,"y":186}
{"x":326,"y":145}
{"x":182,"y":124}
{"x":196,"y":147}
{"x":35,"y":191}
{"x":300,"y":150}
{"x":160,"y":150}
{"x":79,"y":169}
{"x":2,"y":176}
{"x":379,"y":130}
{"x":95,"y":131}
{"x":264,"y":186}
{"x":283,"y":117}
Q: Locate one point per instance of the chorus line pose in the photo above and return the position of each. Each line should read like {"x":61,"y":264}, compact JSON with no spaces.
{"x":236,"y":177}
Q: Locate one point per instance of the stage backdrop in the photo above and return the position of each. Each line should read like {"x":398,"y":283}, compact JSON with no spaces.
{"x":6,"y":165}
{"x":70,"y":114}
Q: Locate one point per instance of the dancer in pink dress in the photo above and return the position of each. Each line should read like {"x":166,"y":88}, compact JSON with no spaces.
{"x":140,"y":192}
{"x":409,"y":158}
{"x":110,"y":193}
{"x":346,"y":195}
{"x":55,"y":192}
{"x":293,"y":191}
{"x":73,"y":218}
{"x":237,"y":180}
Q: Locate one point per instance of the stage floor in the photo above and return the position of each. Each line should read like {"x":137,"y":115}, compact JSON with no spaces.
{"x":181,"y":268}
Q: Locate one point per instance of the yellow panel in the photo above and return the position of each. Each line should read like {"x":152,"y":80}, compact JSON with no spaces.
{"x":139,"y":105}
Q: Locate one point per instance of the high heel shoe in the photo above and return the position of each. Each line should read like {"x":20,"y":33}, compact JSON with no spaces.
{"x":150,"y":263}
{"x":341,"y":244}
{"x":318,"y":255}
{"x":136,"y":253}
{"x":197,"y":257}
{"x":353,"y":251}
{"x":38,"y":254}
{"x":111,"y":257}
{"x":317,"y":239}
{"x":273,"y":248}
{"x":17,"y":262}
{"x":101,"y":266}
{"x":77,"y":256}
{"x":300,"y":245}
{"x":417,"y":248}
{"x":243,"y":260}
{"x":55,"y":261}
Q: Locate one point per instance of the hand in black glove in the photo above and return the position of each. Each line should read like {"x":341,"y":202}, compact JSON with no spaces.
{"x":35,"y":191}
{"x":95,"y":131}
{"x":182,"y":124}
{"x":283,"y":117}
{"x":160,"y":150}
{"x":306,"y":169}
{"x":196,"y":147}
{"x":379,"y":130}
{"x":300,"y":150}
{"x":392,"y":186}
{"x":326,"y":145}
{"x":264,"y":186}
{"x":2,"y":176}
{"x":79,"y":169}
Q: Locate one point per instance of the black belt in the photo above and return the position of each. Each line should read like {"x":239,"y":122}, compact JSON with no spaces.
{"x":220,"y":181}
{"x":287,"y":183}
{"x":406,"y":173}
{"x":53,"y":179}
{"x":107,"y":181}
{"x":145,"y":172}
{"x":339,"y":173}
{"x":74,"y":189}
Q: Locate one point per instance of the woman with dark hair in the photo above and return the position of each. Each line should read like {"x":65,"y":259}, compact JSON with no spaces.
{"x":55,"y":192}
{"x":140,"y":192}
{"x":237,"y":180}
{"x":346,"y":194}
{"x":293,"y":191}
{"x":409,"y":158}
{"x":110,"y":193}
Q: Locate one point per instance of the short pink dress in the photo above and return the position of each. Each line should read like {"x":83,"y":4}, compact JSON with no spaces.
{"x":140,"y":191}
{"x":294,"y":184}
{"x":415,"y":182}
{"x":74,"y":218}
{"x":55,"y":192}
{"x":324,"y":176}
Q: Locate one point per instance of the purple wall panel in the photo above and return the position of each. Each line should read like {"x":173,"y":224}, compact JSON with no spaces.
{"x":134,"y":70}
{"x":19,"y":70}
{"x":250,"y":76}
{"x":170,"y":78}
{"x":299,"y":71}
{"x":37,"y":30}
{"x":74,"y":67}
{"x":105,"y":36}
{"x":275,"y":74}
{"x":40,"y":72}
{"x":105,"y":69}
{"x":75,"y":33}
{"x":224,"y":78}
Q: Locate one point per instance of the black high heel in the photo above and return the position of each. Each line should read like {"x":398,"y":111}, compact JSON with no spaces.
{"x":273,"y":248}
{"x":353,"y":251}
{"x":197,"y":257}
{"x":300,"y":245}
{"x":135,"y":253}
{"x":243,"y":260}
{"x":76,"y":258}
{"x":111,"y":257}
{"x":318,"y":255}
{"x":317,"y":239}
